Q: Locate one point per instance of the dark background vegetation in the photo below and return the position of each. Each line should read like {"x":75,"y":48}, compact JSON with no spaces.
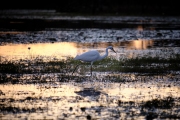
{"x":96,"y":7}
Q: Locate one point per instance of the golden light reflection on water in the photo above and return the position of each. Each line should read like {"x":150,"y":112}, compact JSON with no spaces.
{"x":64,"y":49}
{"x":37,"y":90}
{"x":140,"y":44}
{"x":11,"y":32}
{"x":126,"y":92}
{"x":21,"y":51}
{"x":140,"y":28}
{"x":59,"y":98}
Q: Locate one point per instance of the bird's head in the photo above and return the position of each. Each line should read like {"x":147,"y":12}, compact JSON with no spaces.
{"x":110,"y":47}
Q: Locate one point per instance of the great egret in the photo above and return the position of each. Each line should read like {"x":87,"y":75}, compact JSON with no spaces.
{"x":92,"y":56}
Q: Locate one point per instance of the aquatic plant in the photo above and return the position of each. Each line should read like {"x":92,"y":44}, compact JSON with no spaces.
{"x":64,"y":68}
{"x":165,"y":103}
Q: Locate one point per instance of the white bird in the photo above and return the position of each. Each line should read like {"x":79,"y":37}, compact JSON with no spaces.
{"x":92,"y":56}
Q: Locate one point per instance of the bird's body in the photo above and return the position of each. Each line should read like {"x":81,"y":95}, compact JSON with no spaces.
{"x":92,"y":56}
{"x":89,"y":56}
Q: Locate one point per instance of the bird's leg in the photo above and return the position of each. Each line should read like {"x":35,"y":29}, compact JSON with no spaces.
{"x":75,"y":69}
{"x":91,"y":68}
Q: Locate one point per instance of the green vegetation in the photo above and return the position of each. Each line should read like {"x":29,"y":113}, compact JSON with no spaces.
{"x":150,"y":65}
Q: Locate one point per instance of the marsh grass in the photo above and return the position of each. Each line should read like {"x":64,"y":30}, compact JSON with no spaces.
{"x":151,"y":65}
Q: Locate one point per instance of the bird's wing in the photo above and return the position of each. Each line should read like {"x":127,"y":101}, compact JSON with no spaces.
{"x":88,"y":56}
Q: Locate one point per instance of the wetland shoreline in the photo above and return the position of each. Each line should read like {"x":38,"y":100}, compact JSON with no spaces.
{"x":141,"y":83}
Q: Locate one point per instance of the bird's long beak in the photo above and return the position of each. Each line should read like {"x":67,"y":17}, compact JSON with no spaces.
{"x":113,"y":50}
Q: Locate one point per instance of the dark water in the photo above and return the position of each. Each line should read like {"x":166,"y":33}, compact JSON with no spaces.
{"x":44,"y":96}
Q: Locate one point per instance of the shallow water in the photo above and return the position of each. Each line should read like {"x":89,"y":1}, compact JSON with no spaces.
{"x":72,"y":100}
{"x":63,"y":50}
{"x":104,"y":95}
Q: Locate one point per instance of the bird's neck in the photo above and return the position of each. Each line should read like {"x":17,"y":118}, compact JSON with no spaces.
{"x":103,"y":56}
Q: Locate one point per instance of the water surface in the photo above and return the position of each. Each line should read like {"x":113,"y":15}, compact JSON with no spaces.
{"x":104,"y":95}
